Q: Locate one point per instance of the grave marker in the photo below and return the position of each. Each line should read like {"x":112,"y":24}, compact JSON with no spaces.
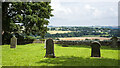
{"x":114,"y":42}
{"x":95,"y":52}
{"x":49,"y":49}
{"x":13,"y":42}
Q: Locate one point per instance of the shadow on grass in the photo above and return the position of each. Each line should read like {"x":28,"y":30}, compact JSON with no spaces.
{"x":87,"y":46}
{"x":79,"y":61}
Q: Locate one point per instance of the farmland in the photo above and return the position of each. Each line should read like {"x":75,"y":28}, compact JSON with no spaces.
{"x":83,"y":38}
{"x":55,"y":32}
{"x":81,"y":32}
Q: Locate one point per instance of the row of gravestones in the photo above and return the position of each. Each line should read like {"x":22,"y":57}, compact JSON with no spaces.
{"x":49,"y":46}
{"x":95,"y":52}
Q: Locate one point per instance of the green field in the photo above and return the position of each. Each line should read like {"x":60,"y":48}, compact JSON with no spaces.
{"x":33,"y":55}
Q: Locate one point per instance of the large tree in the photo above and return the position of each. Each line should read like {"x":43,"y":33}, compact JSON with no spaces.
{"x":33,"y":15}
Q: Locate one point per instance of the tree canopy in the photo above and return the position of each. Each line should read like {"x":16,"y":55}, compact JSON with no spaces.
{"x":33,"y":16}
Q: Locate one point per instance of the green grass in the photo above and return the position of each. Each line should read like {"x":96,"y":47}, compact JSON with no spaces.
{"x":33,"y":55}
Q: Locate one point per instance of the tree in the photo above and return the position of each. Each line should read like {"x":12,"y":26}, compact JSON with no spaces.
{"x":33,"y":15}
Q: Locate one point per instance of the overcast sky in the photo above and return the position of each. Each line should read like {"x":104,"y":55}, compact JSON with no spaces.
{"x":84,"y":12}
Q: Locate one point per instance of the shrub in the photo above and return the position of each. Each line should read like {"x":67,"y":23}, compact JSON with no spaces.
{"x":87,"y":39}
{"x":42,"y":39}
{"x":97,"y":39}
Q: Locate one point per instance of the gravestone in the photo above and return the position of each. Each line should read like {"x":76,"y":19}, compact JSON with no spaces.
{"x":49,"y":49}
{"x":45,"y":44}
{"x":95,"y":52}
{"x":114,"y":42}
{"x":13,"y":42}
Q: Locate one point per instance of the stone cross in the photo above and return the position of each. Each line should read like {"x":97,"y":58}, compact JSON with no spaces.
{"x":13,"y":42}
{"x":95,"y":52}
{"x":49,"y":49}
{"x":114,"y":42}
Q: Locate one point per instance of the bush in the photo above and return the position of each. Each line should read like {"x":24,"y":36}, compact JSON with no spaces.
{"x":87,"y":39}
{"x":6,"y":38}
{"x":57,"y":39}
{"x":42,"y":39}
{"x":97,"y":39}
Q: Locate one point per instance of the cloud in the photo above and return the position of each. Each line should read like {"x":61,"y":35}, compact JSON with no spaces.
{"x":89,"y":1}
{"x":89,"y":7}
{"x":59,"y":10}
{"x":80,"y":13}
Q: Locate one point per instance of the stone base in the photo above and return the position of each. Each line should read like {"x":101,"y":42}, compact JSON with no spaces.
{"x":12,"y":47}
{"x":49,"y":56}
{"x":95,"y":56}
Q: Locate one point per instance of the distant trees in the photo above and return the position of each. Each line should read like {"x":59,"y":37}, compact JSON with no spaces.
{"x":82,"y":31}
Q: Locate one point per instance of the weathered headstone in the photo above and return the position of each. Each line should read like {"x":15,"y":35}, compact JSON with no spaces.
{"x":114,"y":42}
{"x":95,"y":52}
{"x":49,"y":49}
{"x":13,"y":42}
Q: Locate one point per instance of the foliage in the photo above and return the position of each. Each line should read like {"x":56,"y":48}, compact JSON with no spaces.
{"x":33,"y":16}
{"x":42,"y":39}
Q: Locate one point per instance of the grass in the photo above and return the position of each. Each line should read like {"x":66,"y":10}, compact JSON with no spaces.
{"x":33,"y":55}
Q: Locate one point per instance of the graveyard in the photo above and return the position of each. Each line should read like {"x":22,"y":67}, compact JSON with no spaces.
{"x":29,"y":39}
{"x":77,"y":55}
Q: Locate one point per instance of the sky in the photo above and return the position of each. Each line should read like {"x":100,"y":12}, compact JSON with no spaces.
{"x":84,"y":13}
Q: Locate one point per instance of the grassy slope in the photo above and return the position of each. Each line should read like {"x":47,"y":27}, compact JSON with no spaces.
{"x":33,"y":55}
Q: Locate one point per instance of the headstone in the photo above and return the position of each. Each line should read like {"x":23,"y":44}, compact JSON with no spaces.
{"x":49,"y":49}
{"x":114,"y":42}
{"x":13,"y":42}
{"x":95,"y":52}
{"x":45,"y":44}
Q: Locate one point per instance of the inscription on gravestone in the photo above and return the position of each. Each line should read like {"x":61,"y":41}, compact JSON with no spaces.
{"x":95,"y":46}
{"x":49,"y":49}
{"x":13,"y":42}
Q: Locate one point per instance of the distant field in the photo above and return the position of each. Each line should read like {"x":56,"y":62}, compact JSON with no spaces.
{"x":54,"y":32}
{"x":83,"y":38}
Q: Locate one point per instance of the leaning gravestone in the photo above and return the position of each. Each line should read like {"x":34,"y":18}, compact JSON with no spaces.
{"x":114,"y":42}
{"x":95,"y":52}
{"x":13,"y":42}
{"x":49,"y":49}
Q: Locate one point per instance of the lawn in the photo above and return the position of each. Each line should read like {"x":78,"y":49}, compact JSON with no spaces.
{"x":33,"y":55}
